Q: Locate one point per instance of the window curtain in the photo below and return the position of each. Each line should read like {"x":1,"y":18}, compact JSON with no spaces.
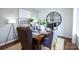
{"x":75,"y":33}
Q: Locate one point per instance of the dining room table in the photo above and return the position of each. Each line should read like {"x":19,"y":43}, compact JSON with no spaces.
{"x":38,"y":37}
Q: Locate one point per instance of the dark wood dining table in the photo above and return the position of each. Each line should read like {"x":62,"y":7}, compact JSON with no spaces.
{"x":38,"y":38}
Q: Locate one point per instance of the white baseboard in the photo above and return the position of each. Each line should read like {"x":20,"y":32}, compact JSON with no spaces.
{"x":8,"y":42}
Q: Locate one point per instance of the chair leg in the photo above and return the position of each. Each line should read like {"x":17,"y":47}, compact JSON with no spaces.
{"x":44,"y":48}
{"x":22,"y":48}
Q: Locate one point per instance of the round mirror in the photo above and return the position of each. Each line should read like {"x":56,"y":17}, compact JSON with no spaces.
{"x":54,"y":19}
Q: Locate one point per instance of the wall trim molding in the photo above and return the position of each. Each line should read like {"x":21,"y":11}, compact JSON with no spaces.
{"x":65,"y":37}
{"x":9,"y":44}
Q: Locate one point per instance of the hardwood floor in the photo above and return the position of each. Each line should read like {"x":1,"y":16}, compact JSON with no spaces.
{"x":9,"y":45}
{"x":68,"y":45}
{"x":15,"y":47}
{"x":61,"y":44}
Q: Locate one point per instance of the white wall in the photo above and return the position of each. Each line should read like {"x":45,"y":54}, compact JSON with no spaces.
{"x":24,"y":14}
{"x":75,"y":34}
{"x":77,"y":21}
{"x":74,"y":31}
{"x":28,"y":13}
{"x":5,"y":14}
{"x":12,"y":13}
{"x":65,"y":29}
{"x":77,"y":27}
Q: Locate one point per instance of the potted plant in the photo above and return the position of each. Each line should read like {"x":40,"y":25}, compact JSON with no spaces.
{"x":30,"y":20}
{"x":43,"y":24}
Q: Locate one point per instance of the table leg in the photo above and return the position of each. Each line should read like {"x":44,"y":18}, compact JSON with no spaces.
{"x":39,"y":46}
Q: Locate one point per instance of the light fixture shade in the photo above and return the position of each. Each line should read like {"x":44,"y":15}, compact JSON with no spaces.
{"x":11,"y":21}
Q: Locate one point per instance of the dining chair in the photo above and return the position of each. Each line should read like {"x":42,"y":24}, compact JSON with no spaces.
{"x":25,"y":37}
{"x":47,"y":41}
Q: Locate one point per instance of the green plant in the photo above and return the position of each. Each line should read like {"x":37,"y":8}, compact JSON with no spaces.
{"x":30,"y":20}
{"x":42,"y":22}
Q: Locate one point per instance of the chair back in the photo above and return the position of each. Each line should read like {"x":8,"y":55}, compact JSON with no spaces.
{"x":25,"y":37}
{"x":47,"y":41}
